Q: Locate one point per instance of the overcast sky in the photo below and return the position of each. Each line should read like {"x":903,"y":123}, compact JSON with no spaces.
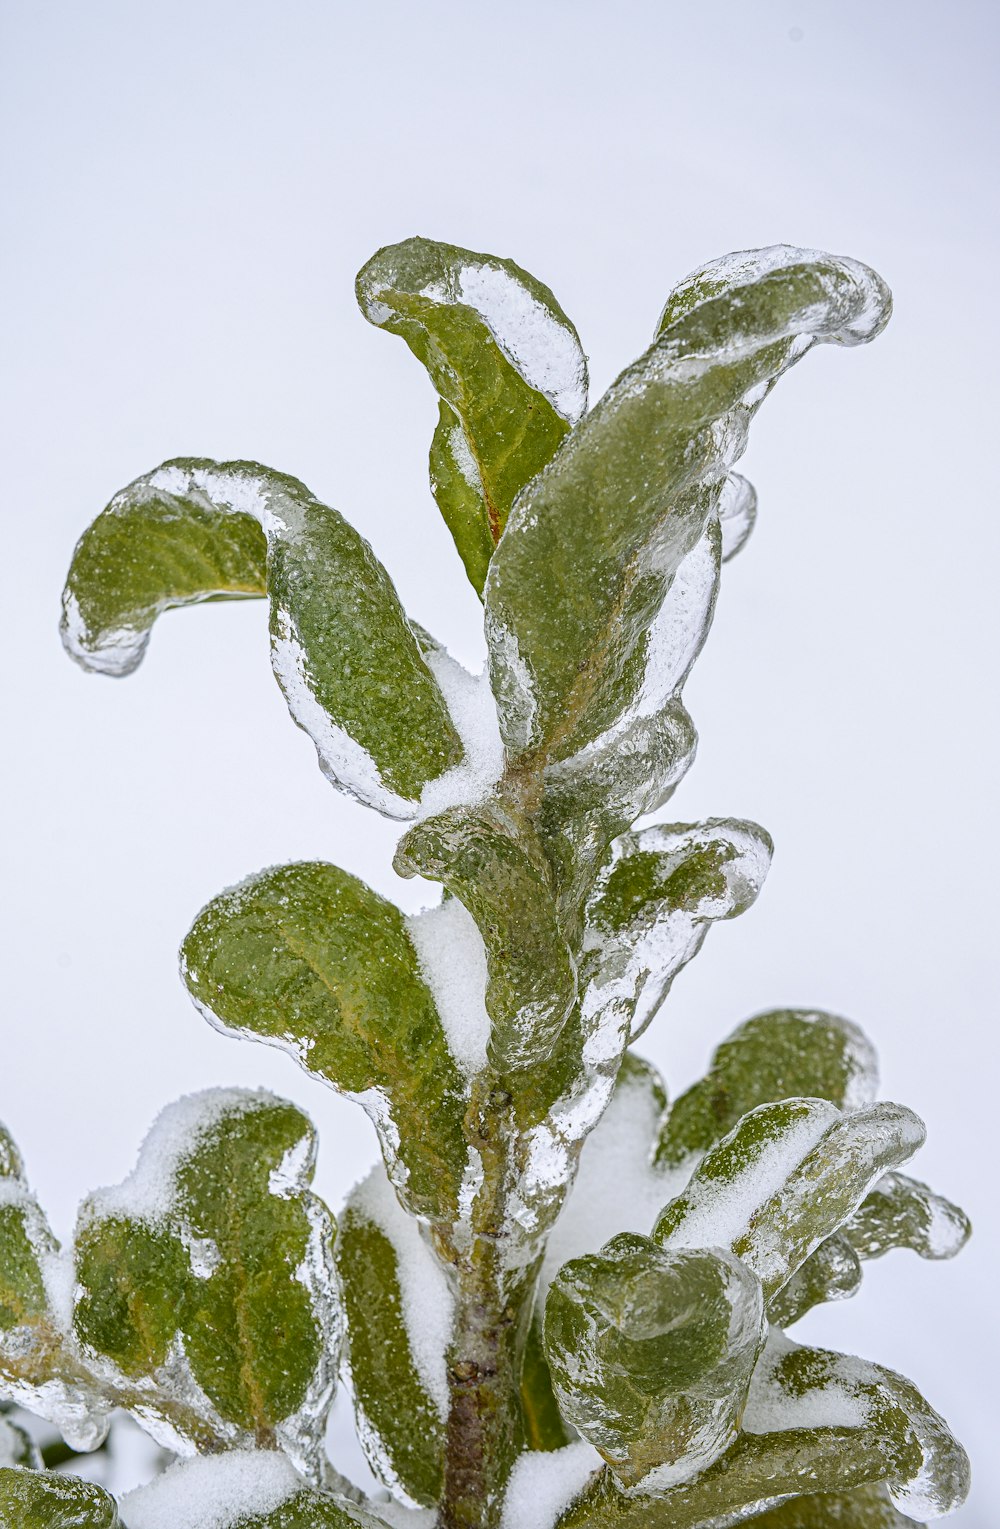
{"x":189,"y":189}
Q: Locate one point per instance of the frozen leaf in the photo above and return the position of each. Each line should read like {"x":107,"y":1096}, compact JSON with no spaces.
{"x":43,"y":1500}
{"x":256,"y":1489}
{"x":867,"y":1507}
{"x":205,"y":1282}
{"x":832,"y":1273}
{"x":783,"y":1054}
{"x":651,"y":1354}
{"x":349,"y":663}
{"x":308,"y":958}
{"x":482,"y":857}
{"x":38,"y":1366}
{"x":901,"y":1212}
{"x":594,"y":541}
{"x":925,"y":1470}
{"x":654,"y":902}
{"x":506,"y":363}
{"x":737,"y":514}
{"x":787,"y":1177}
{"x":544,"y":1426}
{"x":398,"y":1306}
{"x":17,"y":1447}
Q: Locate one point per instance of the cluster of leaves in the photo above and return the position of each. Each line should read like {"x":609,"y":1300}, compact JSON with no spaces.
{"x":488,"y":1038}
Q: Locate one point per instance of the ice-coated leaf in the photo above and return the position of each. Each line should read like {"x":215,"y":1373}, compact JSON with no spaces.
{"x":38,"y":1366}
{"x":832,"y":1273}
{"x":42,"y":1500}
{"x":17,"y":1447}
{"x":308,"y":958}
{"x":787,"y":1177}
{"x":258,"y":1489}
{"x":398,"y":1306}
{"x":349,"y":663}
{"x":867,"y":1507}
{"x":901,"y":1212}
{"x":654,"y":903}
{"x":205,"y":1281}
{"x":783,"y":1054}
{"x":651,"y":1354}
{"x":544,"y":1426}
{"x":925,"y":1470}
{"x":482,"y":857}
{"x":594,"y":541}
{"x":508,"y":368}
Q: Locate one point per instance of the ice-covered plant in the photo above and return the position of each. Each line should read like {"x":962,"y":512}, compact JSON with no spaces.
{"x":532,"y":1337}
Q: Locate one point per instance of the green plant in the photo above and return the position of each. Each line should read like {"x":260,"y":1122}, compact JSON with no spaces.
{"x":506,"y":1368}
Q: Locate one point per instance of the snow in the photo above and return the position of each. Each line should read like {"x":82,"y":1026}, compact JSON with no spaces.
{"x":452,"y":959}
{"x":473,"y":711}
{"x":214,"y":1492}
{"x":836,"y":1403}
{"x":428,"y":1304}
{"x":544,"y":1483}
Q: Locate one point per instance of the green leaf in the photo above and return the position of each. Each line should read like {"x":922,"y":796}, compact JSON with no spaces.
{"x":398,"y":1308}
{"x":593,"y":543}
{"x":867,"y":1507}
{"x":41,"y":1500}
{"x":482,"y":857}
{"x":783,"y":1054}
{"x":901,"y":1212}
{"x":308,"y":958}
{"x":257,"y":1489}
{"x":651,"y":1353}
{"x":216,"y":1248}
{"x":832,"y":1273}
{"x":349,"y":663}
{"x":38,"y":1367}
{"x":544,"y":1428}
{"x":926,"y":1471}
{"x":506,"y":363}
{"x":784,"y":1179}
{"x":654,"y":903}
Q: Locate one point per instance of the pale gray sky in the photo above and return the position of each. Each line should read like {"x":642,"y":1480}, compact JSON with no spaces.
{"x":188,"y":190}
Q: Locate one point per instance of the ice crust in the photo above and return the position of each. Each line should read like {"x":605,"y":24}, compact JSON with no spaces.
{"x":543,"y":1484}
{"x":452,"y":958}
{"x":428,"y":1304}
{"x":214,"y":1492}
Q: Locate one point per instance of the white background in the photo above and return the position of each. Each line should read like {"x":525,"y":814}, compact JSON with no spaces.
{"x":188,"y":192}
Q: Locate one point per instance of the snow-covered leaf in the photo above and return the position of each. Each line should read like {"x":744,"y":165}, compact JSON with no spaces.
{"x":398,"y":1306}
{"x":651,"y":1354}
{"x":349,"y":663}
{"x":783,"y":1054}
{"x":867,"y":1507}
{"x":256,"y":1489}
{"x":594,"y":541}
{"x":484,"y":859}
{"x":205,"y":1281}
{"x":308,"y":958}
{"x":507,"y":365}
{"x":43,"y":1500}
{"x":787,"y":1177}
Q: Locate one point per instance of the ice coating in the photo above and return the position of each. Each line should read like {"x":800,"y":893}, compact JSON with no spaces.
{"x":428,"y":1304}
{"x":737,"y":514}
{"x":452,"y":959}
{"x":473,"y":711}
{"x":214,"y":1492}
{"x":543,"y":1484}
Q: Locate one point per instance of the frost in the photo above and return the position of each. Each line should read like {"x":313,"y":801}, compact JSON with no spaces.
{"x":216,"y":1492}
{"x":543,"y":1485}
{"x":452,"y":959}
{"x":428,"y":1304}
{"x":473,"y":711}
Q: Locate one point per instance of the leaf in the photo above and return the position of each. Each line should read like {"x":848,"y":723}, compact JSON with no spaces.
{"x":399,"y":1316}
{"x":257,"y":1489}
{"x":926,"y":1471}
{"x":595,"y":540}
{"x":349,"y":663}
{"x":205,"y":1282}
{"x":508,"y":367}
{"x":784,"y":1179}
{"x":783,"y":1054}
{"x":651,"y":1353}
{"x":654,"y":903}
{"x":544,"y":1428}
{"x":308,"y":958}
{"x":42,"y":1500}
{"x":901,"y":1212}
{"x":17,"y":1447}
{"x":832,"y":1273}
{"x":867,"y":1507}
{"x":482,"y":857}
{"x":38,"y":1368}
